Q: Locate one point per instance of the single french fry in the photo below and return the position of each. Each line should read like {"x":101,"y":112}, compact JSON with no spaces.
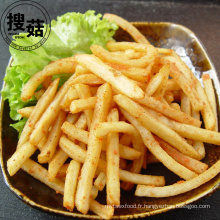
{"x":46,"y":83}
{"x":68,"y":98}
{"x":49,"y":115}
{"x":186,"y":161}
{"x":169,"y":97}
{"x":187,"y":88}
{"x":36,"y":114}
{"x":210,"y":93}
{"x":84,"y":92}
{"x":157,"y":151}
{"x":105,"y":212}
{"x":185,"y":103}
{"x":100,"y":181}
{"x":109,"y":57}
{"x":38,"y":94}
{"x":198,"y":145}
{"x":77,"y":153}
{"x":74,"y":132}
{"x":156,"y":126}
{"x":26,"y":111}
{"x":104,"y":128}
{"x":168,"y":111}
{"x":128,"y":152}
{"x":80,"y":71}
{"x":88,"y":79}
{"x":50,"y":146}
{"x":40,"y":173}
{"x":175,"y":106}
{"x":179,"y":188}
{"x":172,"y":85}
{"x":127,"y":26}
{"x":188,"y":131}
{"x":19,"y":157}
{"x":70,"y":185}
{"x":72,"y":118}
{"x":65,"y":65}
{"x":114,"y":77}
{"x":135,"y":73}
{"x":56,"y":163}
{"x":112,"y":160}
{"x":155,"y":82}
{"x":62,"y":171}
{"x":104,"y":95}
{"x":165,"y":51}
{"x":79,"y":105}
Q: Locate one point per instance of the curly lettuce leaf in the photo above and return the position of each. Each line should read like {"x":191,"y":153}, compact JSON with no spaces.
{"x":71,"y":33}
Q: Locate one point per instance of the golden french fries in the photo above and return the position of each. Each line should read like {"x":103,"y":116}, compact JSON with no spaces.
{"x":122,"y":109}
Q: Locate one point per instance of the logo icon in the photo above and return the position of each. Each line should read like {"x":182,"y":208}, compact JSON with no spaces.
{"x":25,"y":20}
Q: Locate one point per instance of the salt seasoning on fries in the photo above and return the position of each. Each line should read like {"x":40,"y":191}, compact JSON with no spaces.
{"x":121,"y":109}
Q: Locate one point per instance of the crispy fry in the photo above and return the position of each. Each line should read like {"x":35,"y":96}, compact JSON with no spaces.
{"x":56,"y":163}
{"x":209,"y":90}
{"x":125,"y":25}
{"x":26,"y":111}
{"x":112,"y":160}
{"x":50,"y":146}
{"x":85,"y":92}
{"x":70,"y":185}
{"x":40,"y":173}
{"x":114,"y":77}
{"x":100,"y":181}
{"x":65,"y":65}
{"x":82,"y":104}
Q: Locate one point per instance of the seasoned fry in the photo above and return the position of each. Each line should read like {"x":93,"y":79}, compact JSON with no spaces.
{"x":209,"y":90}
{"x":125,"y":25}
{"x":39,"y":93}
{"x":135,"y":73}
{"x":112,"y":160}
{"x":100,"y":181}
{"x":40,"y":173}
{"x":26,"y":111}
{"x":82,"y":104}
{"x":85,"y":92}
{"x":50,"y":146}
{"x":56,"y":163}
{"x":70,"y":185}
{"x":179,"y":188}
{"x":88,"y":79}
{"x":110,"y":75}
{"x":65,"y":65}
{"x":19,"y":157}
{"x":186,"y":161}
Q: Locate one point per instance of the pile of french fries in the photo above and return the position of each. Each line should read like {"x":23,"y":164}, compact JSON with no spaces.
{"x":121,"y":109}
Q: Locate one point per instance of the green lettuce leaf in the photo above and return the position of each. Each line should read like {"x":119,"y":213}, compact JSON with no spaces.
{"x":71,"y":33}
